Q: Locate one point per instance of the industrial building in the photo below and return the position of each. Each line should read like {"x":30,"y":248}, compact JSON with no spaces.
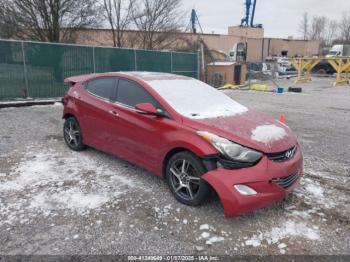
{"x":258,"y":47}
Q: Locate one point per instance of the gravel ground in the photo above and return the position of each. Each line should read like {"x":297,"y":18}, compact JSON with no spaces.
{"x":55,"y":201}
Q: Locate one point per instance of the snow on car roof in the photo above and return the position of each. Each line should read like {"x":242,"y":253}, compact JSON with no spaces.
{"x":138,"y":74}
{"x":147,"y":76}
{"x":195,"y":99}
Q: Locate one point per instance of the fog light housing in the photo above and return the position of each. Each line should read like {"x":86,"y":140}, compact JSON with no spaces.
{"x":245,"y":190}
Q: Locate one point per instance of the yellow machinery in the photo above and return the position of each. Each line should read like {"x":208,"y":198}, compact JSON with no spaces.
{"x":304,"y":67}
{"x":342,"y":67}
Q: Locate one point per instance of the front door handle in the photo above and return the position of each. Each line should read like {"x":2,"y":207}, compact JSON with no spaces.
{"x":114,"y":113}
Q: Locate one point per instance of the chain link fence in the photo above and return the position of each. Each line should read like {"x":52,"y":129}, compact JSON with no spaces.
{"x":37,"y":70}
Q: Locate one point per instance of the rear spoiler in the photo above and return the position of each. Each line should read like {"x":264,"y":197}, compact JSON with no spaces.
{"x":78,"y":79}
{"x":72,"y":79}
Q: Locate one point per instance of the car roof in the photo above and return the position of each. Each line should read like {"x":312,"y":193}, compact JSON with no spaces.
{"x":148,"y":76}
{"x":141,"y":75}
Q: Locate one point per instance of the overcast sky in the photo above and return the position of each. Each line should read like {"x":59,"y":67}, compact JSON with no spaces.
{"x":279,"y":17}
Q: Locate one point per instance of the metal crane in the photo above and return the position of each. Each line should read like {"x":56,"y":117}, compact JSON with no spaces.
{"x":246,"y":21}
{"x":194,"y":22}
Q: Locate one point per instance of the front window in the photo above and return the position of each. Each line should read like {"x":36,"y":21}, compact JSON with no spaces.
{"x":195,"y":99}
{"x":130,"y":93}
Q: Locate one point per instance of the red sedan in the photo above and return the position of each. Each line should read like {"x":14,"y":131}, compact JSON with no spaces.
{"x":186,"y":131}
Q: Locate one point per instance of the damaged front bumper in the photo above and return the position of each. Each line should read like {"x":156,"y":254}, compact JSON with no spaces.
{"x":261,"y":178}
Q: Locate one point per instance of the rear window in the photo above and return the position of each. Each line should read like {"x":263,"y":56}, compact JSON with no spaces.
{"x":104,"y":87}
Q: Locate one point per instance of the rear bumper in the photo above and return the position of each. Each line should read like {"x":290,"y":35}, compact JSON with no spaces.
{"x":259,"y":178}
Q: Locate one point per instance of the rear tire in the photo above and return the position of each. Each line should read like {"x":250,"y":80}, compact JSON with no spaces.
{"x":72,"y":134}
{"x":321,"y":71}
{"x":183,"y":175}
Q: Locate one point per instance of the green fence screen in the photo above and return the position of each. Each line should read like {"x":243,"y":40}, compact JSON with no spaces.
{"x":37,"y":70}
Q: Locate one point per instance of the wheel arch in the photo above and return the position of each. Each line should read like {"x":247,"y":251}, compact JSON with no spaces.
{"x":208,"y":165}
{"x":170,"y":154}
{"x":67,"y":115}
{"x":70,"y":115}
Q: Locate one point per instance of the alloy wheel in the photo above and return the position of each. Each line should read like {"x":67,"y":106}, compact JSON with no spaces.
{"x":72,"y":133}
{"x":184,"y":179}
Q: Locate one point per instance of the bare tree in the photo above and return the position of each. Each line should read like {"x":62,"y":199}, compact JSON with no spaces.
{"x":344,"y":27}
{"x":118,"y":14}
{"x":8,"y":25}
{"x":331,"y":32}
{"x":157,"y":22}
{"x":317,"y":28}
{"x":304,"y":26}
{"x":52,"y":20}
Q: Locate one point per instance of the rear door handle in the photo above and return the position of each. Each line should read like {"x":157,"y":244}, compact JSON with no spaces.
{"x":114,"y":113}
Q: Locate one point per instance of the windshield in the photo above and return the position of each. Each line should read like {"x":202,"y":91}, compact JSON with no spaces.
{"x":195,"y":99}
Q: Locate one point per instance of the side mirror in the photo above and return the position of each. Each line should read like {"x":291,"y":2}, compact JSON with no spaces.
{"x":148,"y":109}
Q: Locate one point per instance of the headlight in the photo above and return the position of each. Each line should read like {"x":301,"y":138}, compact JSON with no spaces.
{"x":231,"y":150}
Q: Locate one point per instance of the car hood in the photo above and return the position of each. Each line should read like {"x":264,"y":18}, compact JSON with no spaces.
{"x":251,"y":129}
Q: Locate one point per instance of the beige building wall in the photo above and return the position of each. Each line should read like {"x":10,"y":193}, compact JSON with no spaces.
{"x":258,"y":48}
{"x":254,"y":52}
{"x":94,"y":37}
{"x":294,"y":47}
{"x":249,"y":32}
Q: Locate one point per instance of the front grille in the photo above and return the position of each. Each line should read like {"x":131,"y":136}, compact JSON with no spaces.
{"x":287,"y":181}
{"x":284,"y":155}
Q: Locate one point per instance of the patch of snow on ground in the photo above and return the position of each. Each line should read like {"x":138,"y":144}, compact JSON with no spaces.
{"x":268,"y":133}
{"x":72,"y":199}
{"x":58,"y":104}
{"x":289,"y":229}
{"x":163,"y":212}
{"x":301,"y":214}
{"x":205,"y":235}
{"x":319,"y":174}
{"x":204,"y":227}
{"x":282,"y":245}
{"x":315,"y":190}
{"x":45,"y":181}
{"x":212,"y":240}
{"x":253,"y":242}
{"x":313,"y":193}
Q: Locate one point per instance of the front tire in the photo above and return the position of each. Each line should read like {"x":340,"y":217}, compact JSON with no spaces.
{"x":183,"y":175}
{"x":72,"y":134}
